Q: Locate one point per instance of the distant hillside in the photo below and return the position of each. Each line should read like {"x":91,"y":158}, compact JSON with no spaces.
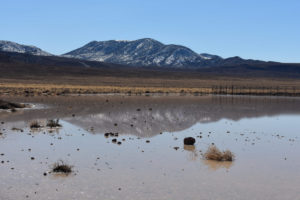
{"x":18,"y":63}
{"x":138,"y":53}
{"x":19,"y":48}
{"x":142,"y":52}
{"x":149,"y":52}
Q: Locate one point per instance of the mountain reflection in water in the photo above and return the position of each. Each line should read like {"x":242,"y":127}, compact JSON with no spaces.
{"x":149,"y":116}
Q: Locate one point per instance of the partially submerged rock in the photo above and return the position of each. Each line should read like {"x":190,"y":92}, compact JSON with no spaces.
{"x":189,"y":141}
{"x":8,"y":105}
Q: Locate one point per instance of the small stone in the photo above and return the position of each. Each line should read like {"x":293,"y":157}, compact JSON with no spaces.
{"x":189,"y":141}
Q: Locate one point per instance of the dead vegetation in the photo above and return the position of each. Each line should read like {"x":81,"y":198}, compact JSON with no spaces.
{"x":62,"y":167}
{"x":213,"y":153}
{"x":228,"y":155}
{"x":53,"y":123}
{"x":35,"y":124}
{"x":135,"y":86}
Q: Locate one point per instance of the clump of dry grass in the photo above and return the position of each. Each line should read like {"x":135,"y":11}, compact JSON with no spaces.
{"x":35,"y":124}
{"x":53,"y":123}
{"x":213,"y":153}
{"x":228,"y":155}
{"x":62,"y":167}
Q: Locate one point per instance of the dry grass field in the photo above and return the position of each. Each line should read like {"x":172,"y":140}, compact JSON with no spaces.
{"x":139,"y":86}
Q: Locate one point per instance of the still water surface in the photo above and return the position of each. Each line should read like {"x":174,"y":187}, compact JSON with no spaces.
{"x":262,"y":132}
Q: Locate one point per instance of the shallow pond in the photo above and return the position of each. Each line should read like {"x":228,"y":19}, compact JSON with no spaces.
{"x":262,"y":132}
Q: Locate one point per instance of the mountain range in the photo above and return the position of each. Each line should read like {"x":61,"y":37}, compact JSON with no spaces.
{"x":145,"y":52}
{"x":8,"y":46}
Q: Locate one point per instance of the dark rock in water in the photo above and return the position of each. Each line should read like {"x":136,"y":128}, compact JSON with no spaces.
{"x":9,"y":105}
{"x":189,"y":141}
{"x":114,"y":140}
{"x":119,"y":143}
{"x":106,"y":134}
{"x":147,"y":141}
{"x":176,"y":148}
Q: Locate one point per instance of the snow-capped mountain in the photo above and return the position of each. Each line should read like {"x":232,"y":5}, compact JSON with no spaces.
{"x":19,"y":48}
{"x":142,"y":52}
{"x":139,"y":53}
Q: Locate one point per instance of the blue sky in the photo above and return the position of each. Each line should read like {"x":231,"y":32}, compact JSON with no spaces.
{"x":258,"y":29}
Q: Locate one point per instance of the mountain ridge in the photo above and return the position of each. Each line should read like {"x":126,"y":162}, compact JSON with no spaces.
{"x":9,"y":46}
{"x":143,"y":52}
{"x":146,"y":52}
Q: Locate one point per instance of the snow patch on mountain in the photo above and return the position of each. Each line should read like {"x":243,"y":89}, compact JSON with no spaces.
{"x":18,"y":48}
{"x":142,"y":52}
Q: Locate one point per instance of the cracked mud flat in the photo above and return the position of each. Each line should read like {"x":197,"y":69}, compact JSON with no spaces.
{"x":151,"y":162}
